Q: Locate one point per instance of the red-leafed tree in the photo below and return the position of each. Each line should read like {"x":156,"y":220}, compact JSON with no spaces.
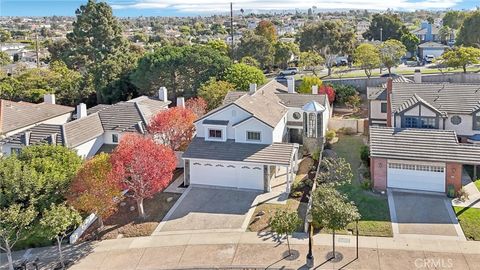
{"x":173,"y":128}
{"x":327,"y":90}
{"x":197,"y":105}
{"x":91,"y":191}
{"x":142,"y":166}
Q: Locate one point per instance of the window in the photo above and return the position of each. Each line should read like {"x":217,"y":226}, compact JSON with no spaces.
{"x":215,"y":133}
{"x":383,"y":107}
{"x":420,"y":122}
{"x":312,"y":125}
{"x":476,"y":121}
{"x":456,"y":120}
{"x":297,"y":115}
{"x":253,"y":136}
{"x":115,"y":138}
{"x":15,"y":150}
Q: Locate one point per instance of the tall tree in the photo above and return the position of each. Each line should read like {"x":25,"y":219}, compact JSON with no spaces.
{"x":332,"y":210}
{"x":391,"y":51}
{"x":242,"y":75}
{"x":214,"y":92}
{"x":308,"y":82}
{"x":444,"y":33}
{"x":219,"y":45}
{"x":92,"y":191}
{"x":95,"y":41}
{"x":181,"y":69}
{"x":454,"y":18}
{"x":286,"y":223}
{"x":284,"y":51}
{"x":258,"y":47}
{"x":57,"y":222}
{"x":267,"y":29}
{"x":142,"y":166}
{"x":329,"y":38}
{"x":461,"y":57}
{"x":390,"y":26}
{"x":4,"y":59}
{"x":197,"y":105}
{"x":367,"y":57}
{"x":173,"y":128}
{"x":410,"y":41}
{"x":14,"y":222}
{"x":5,"y":35}
{"x":469,"y":34}
{"x":310,"y":60}
{"x":335,"y":171}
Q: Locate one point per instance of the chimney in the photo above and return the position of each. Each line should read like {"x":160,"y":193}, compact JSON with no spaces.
{"x":417,"y":76}
{"x":291,"y":84}
{"x":162,"y":94}
{"x":314,"y":89}
{"x":49,"y":98}
{"x":81,"y":110}
{"x":253,"y":88}
{"x":389,"y":101}
{"x":26,"y":138}
{"x":181,"y":102}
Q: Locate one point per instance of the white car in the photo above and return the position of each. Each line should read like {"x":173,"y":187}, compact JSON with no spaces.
{"x":289,"y":71}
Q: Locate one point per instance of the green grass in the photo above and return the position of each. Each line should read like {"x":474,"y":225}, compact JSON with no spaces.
{"x":477,"y":183}
{"x":376,"y":73}
{"x":469,"y":219}
{"x":375,"y":219}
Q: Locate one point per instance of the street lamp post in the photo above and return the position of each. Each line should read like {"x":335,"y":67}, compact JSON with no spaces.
{"x":310,"y":259}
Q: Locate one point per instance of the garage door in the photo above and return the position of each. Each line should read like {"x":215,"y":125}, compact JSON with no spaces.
{"x":236,"y":175}
{"x":416,"y":176}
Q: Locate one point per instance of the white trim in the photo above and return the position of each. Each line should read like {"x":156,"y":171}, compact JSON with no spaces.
{"x":229,"y":161}
{"x":251,"y":140}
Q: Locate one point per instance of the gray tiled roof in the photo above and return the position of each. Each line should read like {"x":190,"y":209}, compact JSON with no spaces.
{"x":215,"y":122}
{"x":82,"y":130}
{"x":414,"y":100}
{"x":38,"y":134}
{"x":422,"y":145}
{"x":298,"y":100}
{"x":277,"y":153}
{"x":232,"y":96}
{"x":16,"y":115}
{"x":149,"y":106}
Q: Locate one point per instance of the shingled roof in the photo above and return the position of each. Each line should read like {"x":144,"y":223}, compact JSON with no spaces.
{"x":42,"y":133}
{"x":421,"y":145}
{"x":16,"y":115}
{"x":82,"y":130}
{"x":277,"y":153}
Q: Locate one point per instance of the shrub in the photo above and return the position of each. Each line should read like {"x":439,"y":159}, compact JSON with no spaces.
{"x":353,"y":101}
{"x":365,"y":154}
{"x":329,"y":91}
{"x":307,"y":83}
{"x":316,"y":155}
{"x":330,"y":135}
{"x":296,"y":194}
{"x":343,"y":92}
{"x":366,"y":184}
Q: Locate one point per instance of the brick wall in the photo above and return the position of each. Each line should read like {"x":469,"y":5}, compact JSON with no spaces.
{"x":378,"y":170}
{"x":453,"y":175}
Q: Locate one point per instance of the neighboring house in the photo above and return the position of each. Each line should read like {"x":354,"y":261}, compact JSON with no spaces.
{"x":97,"y":130}
{"x":245,"y":141}
{"x":17,"y":117}
{"x":421,"y":148}
{"x":427,"y":32}
{"x":431,"y":48}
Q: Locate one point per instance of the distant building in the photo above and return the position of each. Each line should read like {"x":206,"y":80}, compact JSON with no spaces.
{"x":427,"y":32}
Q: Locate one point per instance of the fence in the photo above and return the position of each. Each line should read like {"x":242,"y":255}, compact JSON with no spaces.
{"x":356,"y":125}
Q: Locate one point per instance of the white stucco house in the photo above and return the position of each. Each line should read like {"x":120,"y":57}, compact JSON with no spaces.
{"x":245,"y":141}
{"x":98,"y":129}
{"x":430,"y":131}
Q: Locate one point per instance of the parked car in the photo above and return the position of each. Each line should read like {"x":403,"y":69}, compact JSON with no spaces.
{"x":429,"y":58}
{"x":289,"y":71}
{"x":393,"y":75}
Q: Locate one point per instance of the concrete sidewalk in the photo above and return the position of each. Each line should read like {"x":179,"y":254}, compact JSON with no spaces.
{"x":252,"y":250}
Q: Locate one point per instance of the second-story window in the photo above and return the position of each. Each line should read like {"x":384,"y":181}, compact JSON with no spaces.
{"x":115,"y":138}
{"x":253,"y":136}
{"x":383,"y":107}
{"x":215,"y":133}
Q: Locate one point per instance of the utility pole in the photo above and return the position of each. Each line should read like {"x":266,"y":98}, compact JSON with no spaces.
{"x":231,"y":30}
{"x":36,"y":49}
{"x":381,"y":34}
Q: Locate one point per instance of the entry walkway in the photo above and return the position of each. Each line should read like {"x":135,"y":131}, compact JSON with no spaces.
{"x":473,"y":193}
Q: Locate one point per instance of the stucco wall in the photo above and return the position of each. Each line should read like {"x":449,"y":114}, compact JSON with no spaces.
{"x":358,"y":125}
{"x":253,"y":125}
{"x":378,"y":170}
{"x":376,"y":110}
{"x":232,"y":113}
{"x":88,"y":149}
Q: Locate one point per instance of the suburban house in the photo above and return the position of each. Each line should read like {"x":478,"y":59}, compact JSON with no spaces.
{"x":95,"y":130}
{"x":427,"y":32}
{"x":244,"y":142}
{"x":17,"y":117}
{"x":434,"y":49}
{"x":429,"y":132}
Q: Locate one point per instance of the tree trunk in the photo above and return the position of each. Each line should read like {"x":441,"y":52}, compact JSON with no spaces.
{"x":464,"y":68}
{"x":60,"y":253}
{"x":389,"y":70}
{"x":333,"y":244}
{"x":288,"y":244}
{"x":141,"y":212}
{"x":9,"y":256}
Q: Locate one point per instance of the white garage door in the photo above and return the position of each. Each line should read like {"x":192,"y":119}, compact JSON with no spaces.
{"x":236,"y":175}
{"x":416,"y":176}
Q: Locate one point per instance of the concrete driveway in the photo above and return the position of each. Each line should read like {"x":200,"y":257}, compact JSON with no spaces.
{"x":209,"y":209}
{"x":422,"y":214}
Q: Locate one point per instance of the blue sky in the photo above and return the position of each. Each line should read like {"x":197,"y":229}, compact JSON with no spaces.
{"x":202,"y":7}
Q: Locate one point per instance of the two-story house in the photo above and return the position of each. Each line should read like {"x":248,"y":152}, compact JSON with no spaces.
{"x":98,"y":129}
{"x":431,"y":131}
{"x":245,"y":141}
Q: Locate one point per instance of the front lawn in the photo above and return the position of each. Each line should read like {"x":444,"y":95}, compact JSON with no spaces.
{"x":373,"y":207}
{"x":477,"y":183}
{"x":469,"y":219}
